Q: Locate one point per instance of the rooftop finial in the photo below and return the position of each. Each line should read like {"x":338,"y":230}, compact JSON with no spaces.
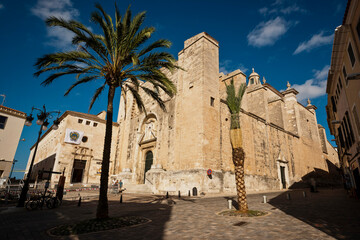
{"x":288,"y":85}
{"x":253,"y":70}
{"x":309,"y":102}
{"x":264,"y":80}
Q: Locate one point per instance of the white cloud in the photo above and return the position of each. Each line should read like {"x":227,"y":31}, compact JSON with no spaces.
{"x":57,"y":8}
{"x":267,"y":33}
{"x":291,"y":9}
{"x":281,"y":7}
{"x":59,"y":37}
{"x":315,"y":87}
{"x":1,"y":6}
{"x":227,"y":66}
{"x":316,"y":40}
{"x":263,"y":10}
{"x":277,"y":2}
{"x":321,"y":74}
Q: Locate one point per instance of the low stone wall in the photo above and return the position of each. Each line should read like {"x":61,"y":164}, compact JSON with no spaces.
{"x":162,"y":181}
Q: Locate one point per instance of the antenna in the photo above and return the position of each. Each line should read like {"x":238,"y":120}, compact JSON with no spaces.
{"x":3,"y":95}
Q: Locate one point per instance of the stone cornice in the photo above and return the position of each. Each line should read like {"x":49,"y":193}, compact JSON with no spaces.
{"x":12,"y":112}
{"x":291,"y":90}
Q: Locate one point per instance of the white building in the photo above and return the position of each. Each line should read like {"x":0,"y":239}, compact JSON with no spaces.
{"x":11,"y":126}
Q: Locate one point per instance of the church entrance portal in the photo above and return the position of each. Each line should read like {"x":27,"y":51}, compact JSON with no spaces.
{"x":148,"y":162}
{"x":78,"y":171}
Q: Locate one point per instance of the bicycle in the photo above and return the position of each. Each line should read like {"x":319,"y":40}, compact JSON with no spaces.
{"x":38,"y":201}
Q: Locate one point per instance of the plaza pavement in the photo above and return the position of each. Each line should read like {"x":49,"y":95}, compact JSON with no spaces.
{"x":328,"y":214}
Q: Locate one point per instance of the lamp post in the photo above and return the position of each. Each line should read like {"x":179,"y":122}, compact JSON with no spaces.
{"x":43,"y":117}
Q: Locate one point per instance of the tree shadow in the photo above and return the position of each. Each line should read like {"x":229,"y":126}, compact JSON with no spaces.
{"x":156,"y":211}
{"x":39,"y":221}
{"x":329,"y":210}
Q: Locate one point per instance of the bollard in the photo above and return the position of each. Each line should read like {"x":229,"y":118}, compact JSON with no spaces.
{"x":304,"y":194}
{"x":179,"y":195}
{"x":79,"y":203}
{"x":264,"y":199}
{"x":230,"y":203}
{"x":121,"y":198}
{"x":167,"y":194}
{"x":189,"y":193}
{"x":288,"y":196}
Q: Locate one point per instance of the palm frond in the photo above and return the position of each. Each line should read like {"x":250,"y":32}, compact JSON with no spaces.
{"x":157,"y":44}
{"x":233,"y":100}
{"x":96,"y":96}
{"x":53,"y":76}
{"x":80,"y":81}
{"x":154,"y":96}
{"x":137,"y":97}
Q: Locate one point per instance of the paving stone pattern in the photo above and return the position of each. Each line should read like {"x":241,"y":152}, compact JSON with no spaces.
{"x":329,"y":214}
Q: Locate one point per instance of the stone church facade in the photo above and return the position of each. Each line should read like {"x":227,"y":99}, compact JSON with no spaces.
{"x":171,"y":151}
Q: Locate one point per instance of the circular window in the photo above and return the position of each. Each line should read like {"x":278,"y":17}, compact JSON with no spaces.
{"x":84,"y":139}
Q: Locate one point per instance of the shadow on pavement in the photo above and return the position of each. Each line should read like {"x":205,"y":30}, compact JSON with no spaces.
{"x":34,"y":224}
{"x":329,"y":210}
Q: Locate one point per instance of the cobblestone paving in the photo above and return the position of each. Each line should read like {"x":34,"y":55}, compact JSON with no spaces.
{"x":329,"y":214}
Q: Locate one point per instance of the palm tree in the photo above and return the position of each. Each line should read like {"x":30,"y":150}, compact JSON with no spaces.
{"x":233,"y":101}
{"x":117,"y":56}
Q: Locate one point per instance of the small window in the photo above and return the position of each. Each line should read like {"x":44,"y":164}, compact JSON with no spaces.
{"x":345,"y":75}
{"x":358,"y":29}
{"x":356,"y":117}
{"x":80,"y":120}
{"x":3,"y":121}
{"x":212,"y":101}
{"x":95,"y":124}
{"x":333,"y":103}
{"x":251,"y":80}
{"x":351,"y":55}
{"x":340,"y":83}
{"x":84,"y":139}
{"x":87,"y":122}
{"x":347,"y":117}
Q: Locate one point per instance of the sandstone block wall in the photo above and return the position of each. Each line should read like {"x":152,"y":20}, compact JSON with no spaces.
{"x":193,"y":135}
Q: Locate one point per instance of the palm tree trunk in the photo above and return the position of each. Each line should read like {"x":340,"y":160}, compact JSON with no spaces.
{"x":238,"y":155}
{"x":103,"y":208}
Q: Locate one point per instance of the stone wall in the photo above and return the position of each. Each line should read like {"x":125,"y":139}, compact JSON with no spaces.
{"x":193,"y":135}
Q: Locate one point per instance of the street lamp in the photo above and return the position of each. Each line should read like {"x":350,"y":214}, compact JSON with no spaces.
{"x":43,"y":117}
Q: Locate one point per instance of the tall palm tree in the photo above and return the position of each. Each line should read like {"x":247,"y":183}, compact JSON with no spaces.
{"x":233,"y":101}
{"x":117,"y":56}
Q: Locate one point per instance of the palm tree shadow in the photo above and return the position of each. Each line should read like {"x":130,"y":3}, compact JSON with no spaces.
{"x":234,"y":203}
{"x":158,"y":214}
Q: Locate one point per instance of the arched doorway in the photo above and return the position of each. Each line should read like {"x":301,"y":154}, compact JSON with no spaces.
{"x":148,"y":162}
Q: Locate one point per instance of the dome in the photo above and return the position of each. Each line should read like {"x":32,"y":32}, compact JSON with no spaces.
{"x":254,"y":74}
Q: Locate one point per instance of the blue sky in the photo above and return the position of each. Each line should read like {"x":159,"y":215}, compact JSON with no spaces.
{"x":284,"y":40}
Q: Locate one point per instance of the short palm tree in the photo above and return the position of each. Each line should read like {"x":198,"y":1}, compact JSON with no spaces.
{"x":233,"y":101}
{"x":118,"y":57}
